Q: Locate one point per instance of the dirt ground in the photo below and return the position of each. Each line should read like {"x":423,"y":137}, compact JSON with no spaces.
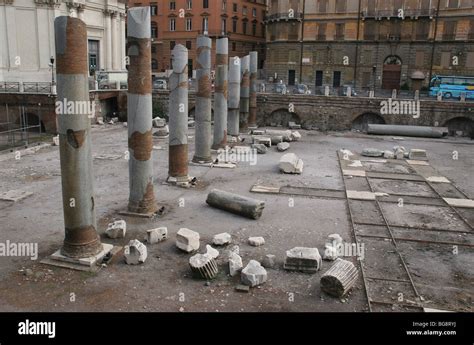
{"x":164,"y":282}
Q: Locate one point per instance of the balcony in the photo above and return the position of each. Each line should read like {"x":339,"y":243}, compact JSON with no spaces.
{"x":214,"y":33}
{"x":276,"y":17}
{"x":394,"y":13}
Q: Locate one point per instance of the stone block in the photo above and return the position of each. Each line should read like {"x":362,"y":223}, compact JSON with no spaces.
{"x":187,"y":240}
{"x":135,"y":253}
{"x":303,"y":259}
{"x":283,"y":147}
{"x":371,"y":152}
{"x":222,"y":239}
{"x":159,"y":122}
{"x":235,"y":264}
{"x":269,"y":261}
{"x":260,"y":148}
{"x":291,"y":164}
{"x":157,"y":235}
{"x":295,"y":136}
{"x":418,"y":155}
{"x":253,"y":274}
{"x":203,"y":266}
{"x":117,"y":229}
{"x":213,"y":253}
{"x":256,"y":241}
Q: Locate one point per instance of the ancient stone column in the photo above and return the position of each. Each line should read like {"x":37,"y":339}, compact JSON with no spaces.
{"x":203,"y":139}
{"x":220,"y":94}
{"x":244,"y":92}
{"x":81,"y":238}
{"x":178,"y":116}
{"x":140,"y":140}
{"x":252,"y":123}
{"x":234,"y":97}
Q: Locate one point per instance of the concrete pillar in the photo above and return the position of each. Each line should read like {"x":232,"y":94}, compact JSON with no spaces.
{"x":253,"y":90}
{"x":108,"y":40}
{"x":81,"y":238}
{"x":115,"y":43}
{"x":234,"y":97}
{"x":139,"y":107}
{"x":220,"y":93}
{"x":244,"y":92}
{"x":202,"y":152}
{"x":178,"y":116}
{"x":123,"y":45}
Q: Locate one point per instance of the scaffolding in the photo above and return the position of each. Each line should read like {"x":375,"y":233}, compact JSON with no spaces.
{"x":20,"y":125}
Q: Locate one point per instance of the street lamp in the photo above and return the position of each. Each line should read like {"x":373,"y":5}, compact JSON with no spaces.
{"x":51,"y":59}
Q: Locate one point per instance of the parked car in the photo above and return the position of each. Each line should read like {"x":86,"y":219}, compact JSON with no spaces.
{"x":280,"y":88}
{"x":160,"y":84}
{"x":302,"y":89}
{"x":110,"y":80}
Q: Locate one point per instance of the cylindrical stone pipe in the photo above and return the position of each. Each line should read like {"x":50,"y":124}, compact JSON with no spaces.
{"x":237,"y":204}
{"x":253,"y":90}
{"x":203,"y":137}
{"x":234,"y":96}
{"x":244,"y":92}
{"x":140,"y":140}
{"x":178,"y":115}
{"x":81,"y":238}
{"x":221,"y":93}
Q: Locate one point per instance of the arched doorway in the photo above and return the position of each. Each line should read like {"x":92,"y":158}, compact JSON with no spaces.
{"x":361,"y":123}
{"x":281,"y":117}
{"x":460,"y":126}
{"x":392,"y":72}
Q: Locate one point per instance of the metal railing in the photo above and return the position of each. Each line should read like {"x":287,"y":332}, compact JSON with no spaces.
{"x":37,"y":87}
{"x":284,"y":16}
{"x":7,"y":87}
{"x":410,"y":13}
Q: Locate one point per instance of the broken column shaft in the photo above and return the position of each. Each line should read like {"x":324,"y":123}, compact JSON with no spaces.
{"x":252,"y":123}
{"x":220,"y":94}
{"x":81,"y":238}
{"x":244,"y":92}
{"x":203,"y":139}
{"x":140,"y":140}
{"x":234,"y":97}
{"x":178,"y":116}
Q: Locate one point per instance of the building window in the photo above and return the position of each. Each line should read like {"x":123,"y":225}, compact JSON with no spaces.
{"x":449,"y":32}
{"x":445,"y":59}
{"x":153,"y":49}
{"x":172,"y":24}
{"x":321,"y":32}
{"x":234,"y":25}
{"x":189,"y":24}
{"x":224,"y":25}
{"x":322,"y":6}
{"x":319,"y":78}
{"x":154,"y":30}
{"x":244,"y":10}
{"x":205,"y":24}
{"x":340,"y":31}
{"x":336,"y":81}
{"x":153,"y":9}
{"x":172,"y":5}
{"x":172,"y":44}
{"x":254,"y":12}
{"x":93,"y":56}
{"x":205,"y":3}
{"x":422,"y":30}
{"x":341,"y":6}
{"x":471,"y":31}
{"x":420,"y":59}
{"x":453,"y":4}
{"x":224,"y":5}
{"x":189,"y":45}
{"x":244,"y":28}
{"x":235,"y":8}
{"x":254,"y":29}
{"x":234,"y":46}
{"x":154,"y":64}
{"x":189,"y":4}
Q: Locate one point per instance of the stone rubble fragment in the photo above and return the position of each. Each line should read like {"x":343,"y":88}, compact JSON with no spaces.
{"x":258,"y":132}
{"x":256,"y":241}
{"x":135,"y":253}
{"x":269,"y":261}
{"x":162,"y":132}
{"x":56,"y":140}
{"x":339,"y":279}
{"x":291,"y":164}
{"x":399,"y":152}
{"x":203,"y":266}
{"x":283,"y":147}
{"x":332,"y":247}
{"x":276,"y":139}
{"x":242,"y":288}
{"x":233,"y":250}
{"x":187,"y":240}
{"x":253,"y":274}
{"x":191,"y":123}
{"x":370,"y":152}
{"x":235,"y":264}
{"x":285,"y":134}
{"x":222,"y":239}
{"x":293,"y":125}
{"x":267,"y":141}
{"x":295,"y":136}
{"x":213,"y":253}
{"x":261,"y":148}
{"x":388,"y":155}
{"x":303,"y":260}
{"x":117,"y":229}
{"x":157,"y":235}
{"x":159,"y":122}
{"x":417,"y":155}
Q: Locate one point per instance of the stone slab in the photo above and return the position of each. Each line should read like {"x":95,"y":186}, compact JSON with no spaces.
{"x":463,"y":203}
{"x":15,"y":195}
{"x":84,"y":262}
